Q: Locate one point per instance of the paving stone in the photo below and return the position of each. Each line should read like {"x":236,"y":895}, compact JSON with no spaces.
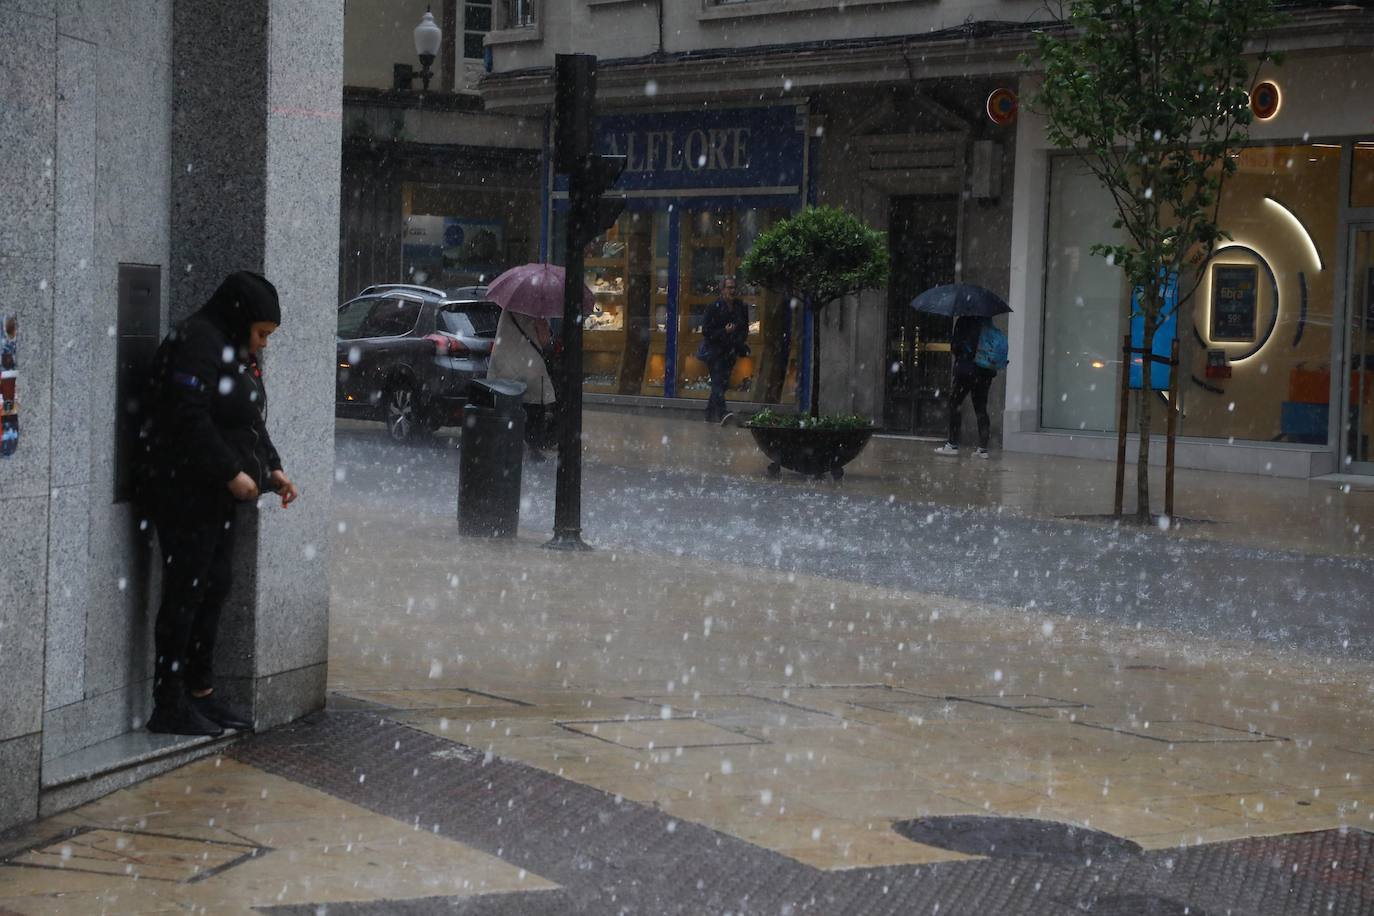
{"x":617,"y":856}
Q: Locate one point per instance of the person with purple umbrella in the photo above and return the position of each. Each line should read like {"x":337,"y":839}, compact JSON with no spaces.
{"x":518,"y":353}
{"x":529,"y":295}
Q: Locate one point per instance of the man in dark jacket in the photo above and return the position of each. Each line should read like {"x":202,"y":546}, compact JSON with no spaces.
{"x":969,"y":378}
{"x":206,"y":450}
{"x":725,"y":338}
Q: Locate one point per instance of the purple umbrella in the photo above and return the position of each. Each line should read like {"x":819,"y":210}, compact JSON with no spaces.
{"x":535,"y":290}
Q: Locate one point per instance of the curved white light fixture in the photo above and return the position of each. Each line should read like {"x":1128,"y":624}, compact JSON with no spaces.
{"x":1293,"y":220}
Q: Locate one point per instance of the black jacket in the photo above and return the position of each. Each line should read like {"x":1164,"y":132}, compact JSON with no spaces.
{"x":723,"y":343}
{"x":207,"y":403}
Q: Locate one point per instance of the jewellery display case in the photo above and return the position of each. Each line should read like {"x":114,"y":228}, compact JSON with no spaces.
{"x":625,"y":338}
{"x":627,"y":272}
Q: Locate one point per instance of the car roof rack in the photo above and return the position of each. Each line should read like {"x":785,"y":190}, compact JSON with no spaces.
{"x":403,"y":286}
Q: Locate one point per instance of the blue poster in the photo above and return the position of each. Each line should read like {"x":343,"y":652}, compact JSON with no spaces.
{"x":1164,"y":337}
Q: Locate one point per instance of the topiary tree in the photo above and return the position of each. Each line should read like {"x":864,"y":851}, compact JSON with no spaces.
{"x":1153,"y":97}
{"x":817,"y":256}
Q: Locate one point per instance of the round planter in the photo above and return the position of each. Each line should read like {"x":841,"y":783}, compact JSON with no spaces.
{"x":810,"y":451}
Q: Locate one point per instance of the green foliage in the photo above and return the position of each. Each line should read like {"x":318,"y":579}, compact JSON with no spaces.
{"x":819,"y":254}
{"x":772,"y":419}
{"x":1153,"y":96}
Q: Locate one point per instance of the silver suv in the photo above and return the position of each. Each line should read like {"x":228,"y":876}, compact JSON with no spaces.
{"x":406,"y":354}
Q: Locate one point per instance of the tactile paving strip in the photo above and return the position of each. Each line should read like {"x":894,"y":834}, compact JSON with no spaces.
{"x":613,"y":856}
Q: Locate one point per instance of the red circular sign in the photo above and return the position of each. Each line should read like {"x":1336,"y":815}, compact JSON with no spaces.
{"x":1265,"y":100}
{"x":1002,"y":106}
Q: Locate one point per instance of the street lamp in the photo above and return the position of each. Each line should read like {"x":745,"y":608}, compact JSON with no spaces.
{"x":427,"y":39}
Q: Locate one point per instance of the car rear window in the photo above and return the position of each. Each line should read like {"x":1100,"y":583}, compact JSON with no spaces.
{"x":475,"y":319}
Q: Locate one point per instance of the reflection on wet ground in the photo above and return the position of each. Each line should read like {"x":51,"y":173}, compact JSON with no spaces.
{"x":751,"y":685}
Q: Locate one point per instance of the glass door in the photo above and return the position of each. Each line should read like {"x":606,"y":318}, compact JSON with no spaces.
{"x":1358,"y":428}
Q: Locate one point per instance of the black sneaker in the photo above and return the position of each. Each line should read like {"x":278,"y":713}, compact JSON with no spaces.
{"x":219,"y":713}
{"x":182,"y":719}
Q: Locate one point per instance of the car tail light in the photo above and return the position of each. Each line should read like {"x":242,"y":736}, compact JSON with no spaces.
{"x":447,"y":346}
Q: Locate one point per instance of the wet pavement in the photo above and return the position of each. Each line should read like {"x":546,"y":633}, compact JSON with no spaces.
{"x":770,"y":697}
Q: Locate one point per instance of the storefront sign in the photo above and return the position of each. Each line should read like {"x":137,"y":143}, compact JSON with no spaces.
{"x":1233,"y":303}
{"x":1265,"y":99}
{"x":736,"y":150}
{"x":1002,"y":106}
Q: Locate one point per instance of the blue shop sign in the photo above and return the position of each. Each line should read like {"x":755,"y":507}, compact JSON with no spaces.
{"x":732,"y":151}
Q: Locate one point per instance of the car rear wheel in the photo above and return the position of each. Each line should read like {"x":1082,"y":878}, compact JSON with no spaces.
{"x":401,"y":407}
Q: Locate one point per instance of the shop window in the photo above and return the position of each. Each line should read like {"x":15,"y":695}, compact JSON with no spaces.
{"x":713,"y":244}
{"x":623,"y":340}
{"x":1362,"y":175}
{"x":1084,"y":305}
{"x":1281,"y":210}
{"x":1255,"y":339}
{"x":460,"y":236}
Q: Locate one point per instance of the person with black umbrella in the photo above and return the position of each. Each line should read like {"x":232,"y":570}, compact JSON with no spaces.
{"x":979,"y":349}
{"x":970,"y":378}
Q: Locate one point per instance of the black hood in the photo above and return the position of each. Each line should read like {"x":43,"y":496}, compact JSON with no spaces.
{"x":243,"y":298}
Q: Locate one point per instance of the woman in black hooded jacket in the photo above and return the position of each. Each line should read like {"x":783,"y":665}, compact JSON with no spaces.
{"x":207,"y":450}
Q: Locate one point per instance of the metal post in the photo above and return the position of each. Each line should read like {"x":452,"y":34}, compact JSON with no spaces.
{"x":574,"y":92}
{"x":1173,"y":432}
{"x":1123,"y":418}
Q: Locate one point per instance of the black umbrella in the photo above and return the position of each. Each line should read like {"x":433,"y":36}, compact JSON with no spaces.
{"x":957,"y":300}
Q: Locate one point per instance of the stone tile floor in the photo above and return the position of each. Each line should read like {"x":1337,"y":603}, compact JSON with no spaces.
{"x":521,"y":731}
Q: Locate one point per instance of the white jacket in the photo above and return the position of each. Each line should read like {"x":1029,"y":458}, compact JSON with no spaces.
{"x":513,"y":356}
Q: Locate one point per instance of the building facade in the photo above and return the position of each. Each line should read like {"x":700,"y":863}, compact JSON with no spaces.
{"x":435,"y":190}
{"x":903,"y":107}
{"x":735,"y":115}
{"x":131,"y":183}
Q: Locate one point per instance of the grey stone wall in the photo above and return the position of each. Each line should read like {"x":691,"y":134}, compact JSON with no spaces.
{"x":112,"y":191}
{"x":199,"y":137}
{"x":256,"y":186}
{"x":27,"y":209}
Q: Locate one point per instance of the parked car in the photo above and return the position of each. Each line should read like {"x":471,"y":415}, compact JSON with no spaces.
{"x":466,"y":293}
{"x":406,"y":354}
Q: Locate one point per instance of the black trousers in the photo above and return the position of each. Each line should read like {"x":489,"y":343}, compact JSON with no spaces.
{"x":196,"y":533}
{"x":720,"y":369}
{"x":978,"y":386}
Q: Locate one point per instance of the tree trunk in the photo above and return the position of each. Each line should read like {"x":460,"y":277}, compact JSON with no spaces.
{"x":1142,"y":464}
{"x":815,"y":363}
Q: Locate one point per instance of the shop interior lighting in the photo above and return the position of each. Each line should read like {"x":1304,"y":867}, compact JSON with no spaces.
{"x":1293,"y":220}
